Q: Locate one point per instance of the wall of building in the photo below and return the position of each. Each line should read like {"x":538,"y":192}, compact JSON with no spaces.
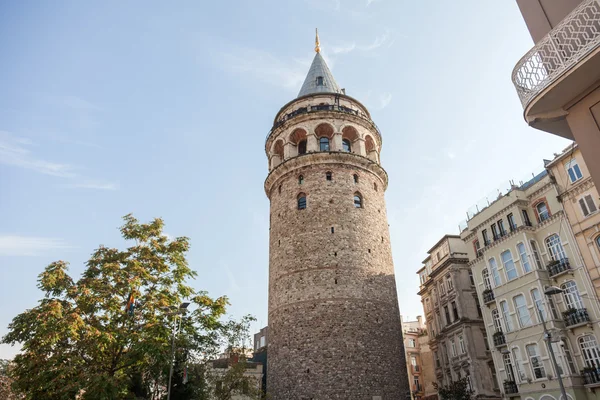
{"x":543,"y":15}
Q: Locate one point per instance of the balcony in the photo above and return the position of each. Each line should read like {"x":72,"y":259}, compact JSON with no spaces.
{"x":499,"y":339}
{"x":561,"y":66}
{"x":510,"y":387}
{"x":591,"y":375}
{"x":488,"y":296}
{"x":576,"y":316}
{"x":557,"y":267}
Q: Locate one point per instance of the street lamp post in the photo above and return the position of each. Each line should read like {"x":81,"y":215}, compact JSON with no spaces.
{"x":181,"y":310}
{"x":552,"y":290}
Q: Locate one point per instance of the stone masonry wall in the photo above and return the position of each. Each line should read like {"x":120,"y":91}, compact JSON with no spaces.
{"x":334,"y":324}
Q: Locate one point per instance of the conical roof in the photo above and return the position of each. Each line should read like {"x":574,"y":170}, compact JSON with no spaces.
{"x":319,"y":78}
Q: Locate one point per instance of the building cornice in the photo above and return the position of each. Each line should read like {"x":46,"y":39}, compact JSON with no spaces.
{"x":576,"y":189}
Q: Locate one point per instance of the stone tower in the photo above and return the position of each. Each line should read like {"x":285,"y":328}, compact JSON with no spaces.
{"x":334,"y":323}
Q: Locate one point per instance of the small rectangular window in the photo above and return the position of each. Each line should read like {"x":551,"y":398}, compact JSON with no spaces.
{"x":486,"y":239}
{"x":526,"y":219}
{"x":512,"y":225}
{"x":573,"y":170}
{"x":587,"y":205}
{"x":495,"y":232}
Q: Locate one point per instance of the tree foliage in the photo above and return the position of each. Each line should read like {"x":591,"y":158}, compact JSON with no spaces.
{"x":82,"y":339}
{"x":456,"y":390}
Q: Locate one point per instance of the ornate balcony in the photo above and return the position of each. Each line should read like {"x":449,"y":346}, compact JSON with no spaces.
{"x":499,"y":339}
{"x":576,"y":316}
{"x":557,"y":267}
{"x":488,"y":296}
{"x":591,"y":375}
{"x":510,"y":387}
{"x":549,"y":75}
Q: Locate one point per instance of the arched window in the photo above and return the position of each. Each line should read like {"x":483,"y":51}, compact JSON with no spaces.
{"x":346,"y":145}
{"x":302,"y":147}
{"x":300,"y":180}
{"x":301,"y":201}
{"x":555,"y":248}
{"x":324,"y":144}
{"x":542,"y":211}
{"x":590,"y":351}
{"x":524,"y":258}
{"x":486,"y":279}
{"x":357,"y":200}
{"x":598,"y":242}
{"x":571,"y":295}
{"x":328,"y":175}
{"x":355,"y":178}
{"x":509,"y":265}
{"x":495,"y":273}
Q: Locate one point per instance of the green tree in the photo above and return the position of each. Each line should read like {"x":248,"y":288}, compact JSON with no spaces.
{"x":107,"y":335}
{"x":456,"y":390}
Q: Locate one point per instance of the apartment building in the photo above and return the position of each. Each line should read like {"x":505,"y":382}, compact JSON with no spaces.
{"x":579,"y":198}
{"x":419,"y":359}
{"x":558,"y":80}
{"x":528,"y":270}
{"x":454,"y":318}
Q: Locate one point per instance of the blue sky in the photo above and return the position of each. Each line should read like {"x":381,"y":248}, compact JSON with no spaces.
{"x":161,"y":109}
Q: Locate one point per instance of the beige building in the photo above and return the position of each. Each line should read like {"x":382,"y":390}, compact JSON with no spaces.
{"x":558,"y":80}
{"x":454,"y":319}
{"x":520,"y":245}
{"x":419,"y":360}
{"x":580,"y":201}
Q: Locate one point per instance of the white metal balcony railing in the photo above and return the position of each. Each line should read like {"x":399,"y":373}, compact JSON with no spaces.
{"x":574,"y":38}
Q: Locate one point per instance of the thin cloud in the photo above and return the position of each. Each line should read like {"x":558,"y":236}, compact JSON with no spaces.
{"x":378,"y":42}
{"x":384,"y":100}
{"x":343,"y":49}
{"x":15,"y":245}
{"x":93,"y":185}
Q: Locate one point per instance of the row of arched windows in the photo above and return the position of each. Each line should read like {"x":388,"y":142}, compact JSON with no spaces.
{"x":302,"y":204}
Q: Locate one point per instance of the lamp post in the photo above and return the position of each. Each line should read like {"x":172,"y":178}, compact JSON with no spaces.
{"x":552,"y":290}
{"x":178,"y":312}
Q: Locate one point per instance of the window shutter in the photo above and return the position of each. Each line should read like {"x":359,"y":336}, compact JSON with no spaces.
{"x":583,"y":207}
{"x":590,"y":203}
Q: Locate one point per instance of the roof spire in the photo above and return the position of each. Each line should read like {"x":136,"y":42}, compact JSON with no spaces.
{"x":317,"y":43}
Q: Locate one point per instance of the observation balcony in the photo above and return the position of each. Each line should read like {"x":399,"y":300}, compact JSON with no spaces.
{"x":576,"y":316}
{"x":558,"y":267}
{"x":510,"y":387}
{"x":488,"y":296}
{"x":499,"y":339}
{"x":563,"y":65}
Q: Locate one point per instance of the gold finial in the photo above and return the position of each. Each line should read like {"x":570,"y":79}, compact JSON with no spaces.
{"x":317,"y":43}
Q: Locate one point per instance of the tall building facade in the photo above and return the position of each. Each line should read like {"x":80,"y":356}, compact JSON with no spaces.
{"x":455,"y":324}
{"x":334,"y":323}
{"x":419,"y":360}
{"x":528,"y":271}
{"x":558,"y":80}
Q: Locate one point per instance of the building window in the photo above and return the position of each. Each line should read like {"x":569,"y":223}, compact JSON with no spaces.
{"x":355,"y":178}
{"x":320,"y":81}
{"x":573,"y":170}
{"x":497,"y":320}
{"x":461,"y":344}
{"x":495,"y":232}
{"x":598,"y":242}
{"x":486,"y":239}
{"x":506,"y":316}
{"x":301,"y":201}
{"x":555,"y":247}
{"x":519,"y":365}
{"x":346,"y":146}
{"x":471,"y":278}
{"x":537,"y":366}
{"x":477,"y":248}
{"x":587,"y":205}
{"x":542,"y":211}
{"x":522,"y":311}
{"x":485,"y":339}
{"x":447,"y":313}
{"x":427,"y":305}
{"x":524,"y":257}
{"x":536,"y":254}
{"x":436,"y":357}
{"x":324,"y":144}
{"x":279,"y":189}
{"x":501,"y":228}
{"x":540,"y":309}
{"x":416,"y":382}
{"x":564,"y":345}
{"x":357,"y":200}
{"x":508,"y":368}
{"x":302,"y":147}
{"x":374,"y":186}
{"x":509,"y":265}
{"x":453,"y":347}
{"x":449,"y":283}
{"x":412,"y":343}
{"x":300,"y":180}
{"x":328,"y":175}
{"x":455,"y":310}
{"x":485,"y":275}
{"x":512,"y":225}
{"x":590,"y":351}
{"x":526,"y":219}
{"x":495,"y":273}
{"x":478,"y":306}
{"x":571,"y":295}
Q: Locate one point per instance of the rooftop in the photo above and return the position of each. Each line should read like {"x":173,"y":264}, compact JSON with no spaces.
{"x":319,"y":78}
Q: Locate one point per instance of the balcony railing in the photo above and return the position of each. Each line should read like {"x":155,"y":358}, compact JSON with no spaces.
{"x":576,"y":316}
{"x":488,"y":296}
{"x":574,"y":38}
{"x":499,"y":339}
{"x":591,"y":375}
{"x":510,"y":387}
{"x":322,"y":107}
{"x":556,"y":267}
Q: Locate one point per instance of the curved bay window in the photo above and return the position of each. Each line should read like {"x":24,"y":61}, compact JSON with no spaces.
{"x":346,"y":146}
{"x":302,"y":147}
{"x":358,"y":203}
{"x":301,"y":201}
{"x":324,"y":144}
